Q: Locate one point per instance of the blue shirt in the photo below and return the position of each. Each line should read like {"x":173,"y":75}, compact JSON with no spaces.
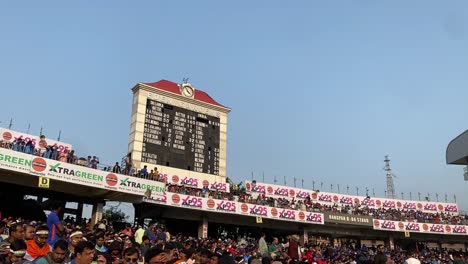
{"x":53,"y":223}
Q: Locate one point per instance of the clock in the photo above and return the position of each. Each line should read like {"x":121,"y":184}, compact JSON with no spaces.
{"x":187,"y":91}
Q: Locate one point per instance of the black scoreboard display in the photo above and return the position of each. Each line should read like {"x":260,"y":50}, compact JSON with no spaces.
{"x":180,"y":138}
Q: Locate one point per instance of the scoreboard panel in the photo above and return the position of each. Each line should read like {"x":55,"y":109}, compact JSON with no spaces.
{"x":180,"y":138}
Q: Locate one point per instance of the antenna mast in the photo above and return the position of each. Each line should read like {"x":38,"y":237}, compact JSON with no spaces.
{"x":390,"y":185}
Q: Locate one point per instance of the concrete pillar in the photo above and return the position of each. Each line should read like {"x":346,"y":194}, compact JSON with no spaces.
{"x":96,"y":214}
{"x":305,"y":236}
{"x":203,"y":228}
{"x":79,"y":212}
{"x":391,"y":243}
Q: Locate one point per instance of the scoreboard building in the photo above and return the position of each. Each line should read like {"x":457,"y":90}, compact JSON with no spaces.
{"x":178,"y":129}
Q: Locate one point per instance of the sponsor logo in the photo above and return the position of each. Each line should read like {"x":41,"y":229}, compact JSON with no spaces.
{"x":282,"y":191}
{"x":368,"y":202}
{"x":226,"y":206}
{"x":190,"y":182}
{"x":218,"y":186}
{"x":409,"y":206}
{"x":288,"y":214}
{"x":301,"y":194}
{"x":192,"y":201}
{"x":335,"y":198}
{"x":412,"y":227}
{"x":314,"y":218}
{"x":258,"y":188}
{"x":175,"y":179}
{"x":448,"y":229}
{"x":430,"y":207}
{"x":376,"y":223}
{"x":76,"y":173}
{"x":270,"y":189}
{"x":325,"y":198}
{"x":389,"y":204}
{"x":388,"y":225}
{"x":451,"y":208}
{"x":301,"y":215}
{"x":244,"y":208}
{"x":39,"y":164}
{"x":346,"y":200}
{"x":111,"y":179}
{"x":138,"y":185}
{"x":258,"y":210}
{"x":292,"y":193}
{"x":440,"y":207}
{"x":205,"y":183}
{"x":7,"y":136}
{"x":175,"y":198}
{"x":437,"y":228}
{"x":398,"y":204}
{"x":314,"y":196}
{"x":274,"y":212}
{"x":459,"y":229}
{"x":210,"y":203}
{"x":401,"y":226}
{"x":378,"y":203}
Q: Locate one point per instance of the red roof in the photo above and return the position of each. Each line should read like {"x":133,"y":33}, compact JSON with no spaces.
{"x":173,"y":87}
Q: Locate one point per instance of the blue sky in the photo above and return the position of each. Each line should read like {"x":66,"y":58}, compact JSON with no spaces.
{"x":319,"y":90}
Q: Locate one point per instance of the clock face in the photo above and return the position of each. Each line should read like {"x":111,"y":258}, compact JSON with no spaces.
{"x":187,"y":91}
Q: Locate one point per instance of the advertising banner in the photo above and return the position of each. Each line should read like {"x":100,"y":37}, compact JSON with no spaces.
{"x":195,"y":182}
{"x":10,"y":136}
{"x":327,"y":198}
{"x":232,"y":207}
{"x":429,"y":228}
{"x":55,"y":170}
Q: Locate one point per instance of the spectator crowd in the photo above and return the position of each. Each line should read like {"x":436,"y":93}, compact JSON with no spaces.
{"x":60,"y":242}
{"x":307,"y":204}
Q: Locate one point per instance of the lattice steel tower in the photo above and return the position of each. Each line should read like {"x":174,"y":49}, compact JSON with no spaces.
{"x":390,"y":185}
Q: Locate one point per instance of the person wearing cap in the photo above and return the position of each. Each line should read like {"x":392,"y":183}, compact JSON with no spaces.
{"x":17,"y":253}
{"x":38,"y":246}
{"x":102,"y":227}
{"x":57,"y":256}
{"x":76,"y":236}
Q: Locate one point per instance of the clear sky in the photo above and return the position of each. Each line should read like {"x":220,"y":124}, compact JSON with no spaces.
{"x":319,"y":90}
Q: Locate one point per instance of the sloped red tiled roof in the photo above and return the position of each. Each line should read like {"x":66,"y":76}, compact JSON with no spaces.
{"x":173,"y":87}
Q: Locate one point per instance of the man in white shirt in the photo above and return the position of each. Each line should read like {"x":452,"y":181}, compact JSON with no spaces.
{"x":411,"y":258}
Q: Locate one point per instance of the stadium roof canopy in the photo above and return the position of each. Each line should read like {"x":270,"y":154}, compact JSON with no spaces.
{"x":457,"y":150}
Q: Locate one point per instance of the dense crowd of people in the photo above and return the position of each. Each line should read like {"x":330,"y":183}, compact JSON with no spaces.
{"x":60,"y":242}
{"x":307,"y":204}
